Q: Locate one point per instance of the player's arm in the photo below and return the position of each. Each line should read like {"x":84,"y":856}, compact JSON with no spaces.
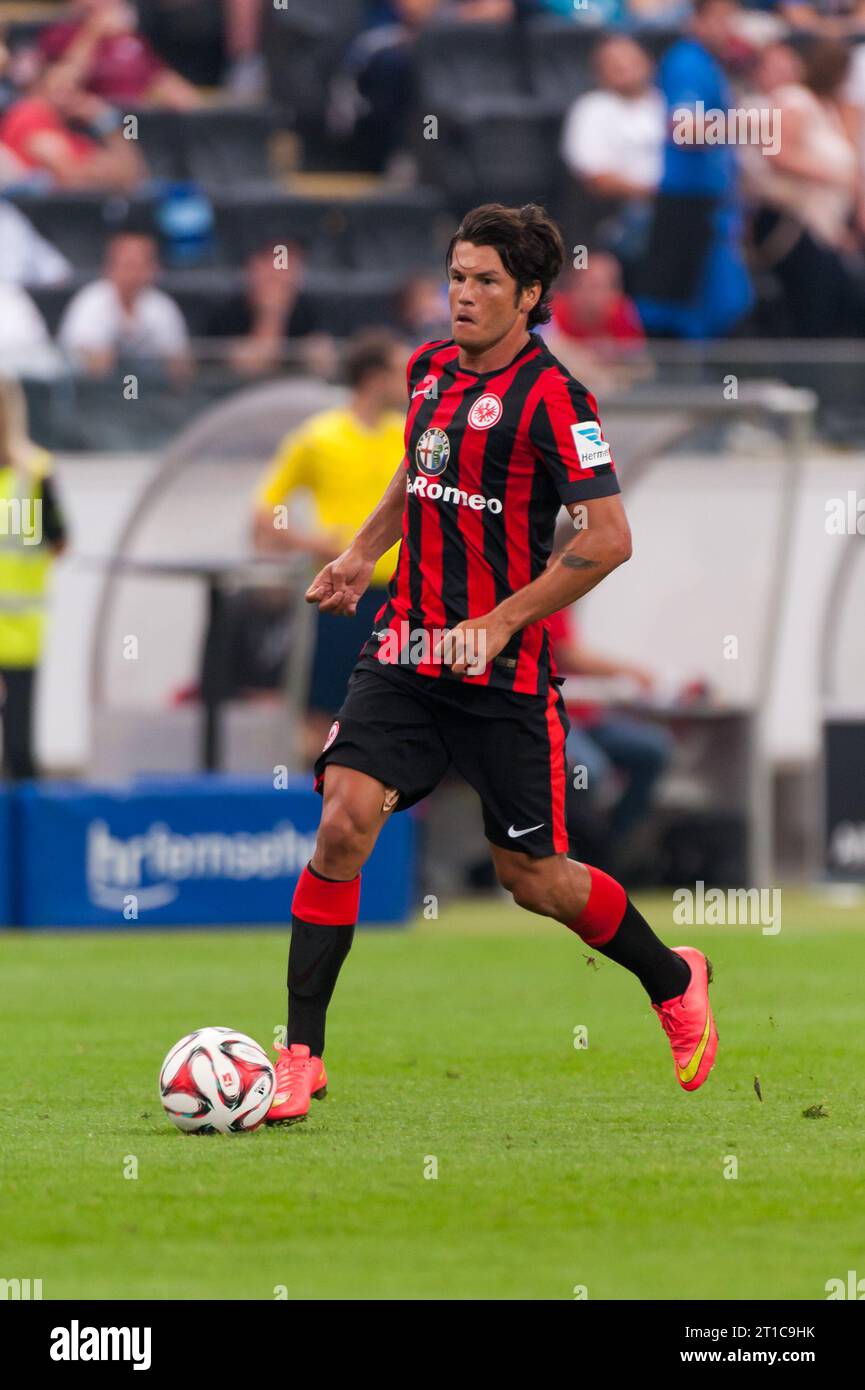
{"x":600,"y":546}
{"x":567,"y":439}
{"x":339,"y":586}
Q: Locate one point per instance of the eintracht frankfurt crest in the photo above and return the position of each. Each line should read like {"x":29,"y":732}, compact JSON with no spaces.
{"x":486,"y":411}
{"x":432,"y":452}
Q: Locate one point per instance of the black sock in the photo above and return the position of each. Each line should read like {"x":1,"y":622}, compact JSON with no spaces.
{"x":315,"y":959}
{"x":662,"y":973}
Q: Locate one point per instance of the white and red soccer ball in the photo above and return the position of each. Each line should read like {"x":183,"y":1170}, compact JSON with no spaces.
{"x":216,"y":1080}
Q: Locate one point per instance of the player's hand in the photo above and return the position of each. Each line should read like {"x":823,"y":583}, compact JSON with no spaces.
{"x":339,"y":587}
{"x":472,"y":645}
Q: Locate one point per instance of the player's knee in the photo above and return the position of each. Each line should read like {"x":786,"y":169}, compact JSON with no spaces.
{"x":507,"y":875}
{"x":344,"y":840}
{"x":529,"y":886}
{"x":533,"y":897}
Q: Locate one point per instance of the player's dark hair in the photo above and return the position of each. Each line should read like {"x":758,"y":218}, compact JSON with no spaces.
{"x":528,"y":241}
{"x":367,"y":352}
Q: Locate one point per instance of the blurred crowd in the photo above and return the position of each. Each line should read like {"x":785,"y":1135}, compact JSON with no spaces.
{"x":694,"y":222}
{"x":679,"y":235}
{"x":689,"y":236}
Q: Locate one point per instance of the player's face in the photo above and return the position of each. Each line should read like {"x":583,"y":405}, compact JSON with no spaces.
{"x":485,"y":304}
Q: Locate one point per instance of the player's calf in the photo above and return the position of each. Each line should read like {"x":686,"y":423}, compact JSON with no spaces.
{"x":675,"y":979}
{"x":324,"y":912}
{"x":598,"y":910}
{"x":547,"y":886}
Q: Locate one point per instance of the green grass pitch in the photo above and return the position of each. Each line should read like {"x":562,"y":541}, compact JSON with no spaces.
{"x":557,"y":1166}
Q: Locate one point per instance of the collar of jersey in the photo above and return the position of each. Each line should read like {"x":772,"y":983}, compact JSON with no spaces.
{"x":534,"y":341}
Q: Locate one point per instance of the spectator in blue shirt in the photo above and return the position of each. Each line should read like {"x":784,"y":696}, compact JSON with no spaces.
{"x":694,"y":281}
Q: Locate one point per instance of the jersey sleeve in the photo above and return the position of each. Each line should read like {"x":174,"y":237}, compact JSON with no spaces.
{"x":565,"y":433}
{"x":417,"y":372}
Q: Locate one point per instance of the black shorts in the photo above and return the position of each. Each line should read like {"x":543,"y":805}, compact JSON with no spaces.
{"x":406,"y":730}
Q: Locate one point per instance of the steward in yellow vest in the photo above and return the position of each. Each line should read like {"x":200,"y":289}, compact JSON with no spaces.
{"x":32,"y":532}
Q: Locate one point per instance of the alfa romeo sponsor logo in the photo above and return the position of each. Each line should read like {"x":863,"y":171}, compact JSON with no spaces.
{"x":486,"y":411}
{"x":432,"y":452}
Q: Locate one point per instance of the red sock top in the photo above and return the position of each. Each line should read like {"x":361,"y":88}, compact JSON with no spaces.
{"x":602,"y":915}
{"x":326,"y":902}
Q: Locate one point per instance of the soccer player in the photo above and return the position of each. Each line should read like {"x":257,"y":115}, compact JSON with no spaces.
{"x":498,"y":438}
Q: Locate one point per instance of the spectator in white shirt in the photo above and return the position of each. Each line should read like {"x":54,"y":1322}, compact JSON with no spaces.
{"x":613,"y":138}
{"x":25,"y":343}
{"x":123,"y":318}
{"x":26,"y":258}
{"x":613,"y":141}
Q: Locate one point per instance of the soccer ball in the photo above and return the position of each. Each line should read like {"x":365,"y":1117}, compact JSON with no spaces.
{"x":216,"y":1079}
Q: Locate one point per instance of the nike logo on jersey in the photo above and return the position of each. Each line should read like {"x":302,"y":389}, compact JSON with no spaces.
{"x":515,"y":834}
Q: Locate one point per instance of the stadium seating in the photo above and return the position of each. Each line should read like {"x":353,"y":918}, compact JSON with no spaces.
{"x":208,"y":146}
{"x":359,"y":252}
{"x":395,"y":231}
{"x":340,"y":301}
{"x":503,"y":149}
{"x":189,"y":35}
{"x":499,"y":94}
{"x":246,"y":223}
{"x":459,"y":63}
{"x":51,"y":300}
{"x":303,"y":47}
{"x":383,"y":231}
{"x":79,"y":224}
{"x":559,"y":61}
{"x":657,"y":39}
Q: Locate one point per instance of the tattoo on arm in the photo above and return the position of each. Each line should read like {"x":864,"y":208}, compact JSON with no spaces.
{"x":578,"y":562}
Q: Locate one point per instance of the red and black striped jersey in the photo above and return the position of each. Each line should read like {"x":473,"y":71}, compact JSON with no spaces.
{"x":490,"y":459}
